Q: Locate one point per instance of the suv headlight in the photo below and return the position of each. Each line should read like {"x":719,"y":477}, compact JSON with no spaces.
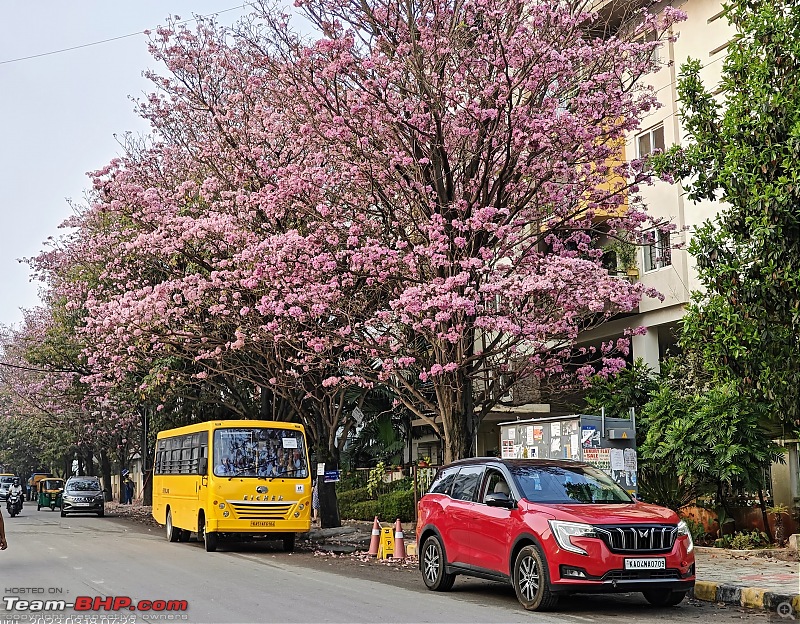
{"x":683,"y":529}
{"x":562,"y":531}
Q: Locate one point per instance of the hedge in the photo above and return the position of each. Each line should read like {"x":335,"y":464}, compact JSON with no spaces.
{"x":356,"y":505}
{"x":349,"y":500}
{"x":397,"y":504}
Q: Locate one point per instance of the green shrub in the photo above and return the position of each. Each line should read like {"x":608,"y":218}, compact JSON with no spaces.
{"x":741,"y":541}
{"x":696,"y":528}
{"x":358,"y":495}
{"x":745,"y":541}
{"x":397,"y":504}
{"x":348,"y":501}
{"x":356,"y":505}
{"x":365,"y":510}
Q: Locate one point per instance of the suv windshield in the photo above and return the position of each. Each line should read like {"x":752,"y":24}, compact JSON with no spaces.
{"x":259,"y":452}
{"x":570,"y":485}
{"x":6,"y":480}
{"x":84,"y":485}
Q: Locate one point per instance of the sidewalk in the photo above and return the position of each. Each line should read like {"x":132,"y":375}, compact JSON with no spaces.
{"x":743,"y":578}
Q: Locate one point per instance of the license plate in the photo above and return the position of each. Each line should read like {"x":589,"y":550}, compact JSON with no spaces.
{"x":262,"y":523}
{"x":645,"y":564}
{"x":83,"y":504}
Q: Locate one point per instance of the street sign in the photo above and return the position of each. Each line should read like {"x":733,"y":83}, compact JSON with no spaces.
{"x":332,"y":476}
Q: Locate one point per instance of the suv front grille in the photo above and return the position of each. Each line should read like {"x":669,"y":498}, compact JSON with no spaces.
{"x":637,"y":575}
{"x":638,"y":538}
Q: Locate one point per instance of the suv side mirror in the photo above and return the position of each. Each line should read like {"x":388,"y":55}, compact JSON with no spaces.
{"x":203,"y":466}
{"x":499,"y":499}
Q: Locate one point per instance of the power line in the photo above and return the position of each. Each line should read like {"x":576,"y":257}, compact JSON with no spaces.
{"x":94,"y":43}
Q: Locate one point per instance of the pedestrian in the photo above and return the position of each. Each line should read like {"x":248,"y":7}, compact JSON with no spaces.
{"x":129,"y":490}
{"x":314,"y":503}
{"x":3,"y":544}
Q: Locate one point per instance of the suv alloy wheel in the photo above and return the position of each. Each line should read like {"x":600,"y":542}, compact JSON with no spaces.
{"x":531,"y":581}
{"x":434,"y":566}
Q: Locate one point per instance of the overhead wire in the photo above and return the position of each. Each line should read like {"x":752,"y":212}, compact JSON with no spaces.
{"x":111,"y":39}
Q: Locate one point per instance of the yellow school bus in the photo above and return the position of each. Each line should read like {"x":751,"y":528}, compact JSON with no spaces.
{"x":233,"y":479}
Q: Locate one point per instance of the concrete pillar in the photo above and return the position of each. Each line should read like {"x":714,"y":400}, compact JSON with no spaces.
{"x":646,"y":347}
{"x":784,"y":477}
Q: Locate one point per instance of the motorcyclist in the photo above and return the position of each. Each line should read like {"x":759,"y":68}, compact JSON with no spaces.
{"x":16,"y":488}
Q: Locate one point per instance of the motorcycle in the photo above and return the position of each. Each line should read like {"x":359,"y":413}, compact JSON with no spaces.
{"x":14,"y":504}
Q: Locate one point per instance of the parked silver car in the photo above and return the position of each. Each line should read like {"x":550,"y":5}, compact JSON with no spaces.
{"x":81,"y":495}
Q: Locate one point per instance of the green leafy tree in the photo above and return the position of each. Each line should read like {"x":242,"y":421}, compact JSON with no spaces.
{"x":746,"y":153}
{"x":631,"y":387}
{"x":713,"y":438}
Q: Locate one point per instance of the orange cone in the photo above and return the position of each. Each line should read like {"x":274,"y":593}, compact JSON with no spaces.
{"x":376,"y":539}
{"x":399,"y":543}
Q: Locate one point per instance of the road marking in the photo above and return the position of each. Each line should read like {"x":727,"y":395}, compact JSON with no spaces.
{"x":579,"y":617}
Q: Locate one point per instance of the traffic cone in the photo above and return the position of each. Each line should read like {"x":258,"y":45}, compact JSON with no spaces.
{"x":375,"y":541}
{"x":399,"y":543}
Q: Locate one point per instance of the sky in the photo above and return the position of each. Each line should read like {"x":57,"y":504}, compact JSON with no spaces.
{"x":60,"y":113}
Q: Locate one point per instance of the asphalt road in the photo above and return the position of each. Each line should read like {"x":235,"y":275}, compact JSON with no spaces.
{"x":82,"y":558}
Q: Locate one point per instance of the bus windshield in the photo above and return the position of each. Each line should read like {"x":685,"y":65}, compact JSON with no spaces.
{"x":259,"y":452}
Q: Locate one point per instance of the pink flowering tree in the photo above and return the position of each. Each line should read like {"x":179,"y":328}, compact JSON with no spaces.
{"x":417,"y":200}
{"x":467,"y":169}
{"x":40,"y":373}
{"x":155,"y":264}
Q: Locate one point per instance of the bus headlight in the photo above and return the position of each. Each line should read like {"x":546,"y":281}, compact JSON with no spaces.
{"x":222,"y":505}
{"x":296,"y":514}
{"x":301,"y":506}
{"x":225,"y":514}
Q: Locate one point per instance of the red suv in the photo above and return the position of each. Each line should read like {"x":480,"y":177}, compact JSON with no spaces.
{"x":550,"y":527}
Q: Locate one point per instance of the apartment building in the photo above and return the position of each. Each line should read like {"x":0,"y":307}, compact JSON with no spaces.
{"x":664,"y":263}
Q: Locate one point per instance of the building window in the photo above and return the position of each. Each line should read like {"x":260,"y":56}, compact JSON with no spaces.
{"x":649,"y":141}
{"x":655,"y":54}
{"x":657,"y":251}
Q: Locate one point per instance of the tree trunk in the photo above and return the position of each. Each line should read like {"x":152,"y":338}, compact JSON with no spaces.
{"x":763,"y":506}
{"x":121,"y":459}
{"x":266,"y":411}
{"x":105,"y":469}
{"x":328,"y":504}
{"x":455,"y":425}
{"x":456,"y":435}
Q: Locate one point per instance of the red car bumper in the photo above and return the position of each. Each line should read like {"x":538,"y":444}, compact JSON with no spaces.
{"x":601,"y":570}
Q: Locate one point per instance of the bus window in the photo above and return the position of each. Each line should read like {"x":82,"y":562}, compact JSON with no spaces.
{"x":259,"y":452}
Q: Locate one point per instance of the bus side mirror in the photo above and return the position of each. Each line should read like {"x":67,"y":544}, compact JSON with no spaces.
{"x":203,"y":466}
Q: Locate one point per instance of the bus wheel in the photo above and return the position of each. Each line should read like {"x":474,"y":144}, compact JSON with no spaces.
{"x":210,"y":538}
{"x":173,"y":534}
{"x":288,"y":543}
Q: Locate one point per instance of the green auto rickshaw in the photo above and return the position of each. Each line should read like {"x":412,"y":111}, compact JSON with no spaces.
{"x":50,"y":492}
